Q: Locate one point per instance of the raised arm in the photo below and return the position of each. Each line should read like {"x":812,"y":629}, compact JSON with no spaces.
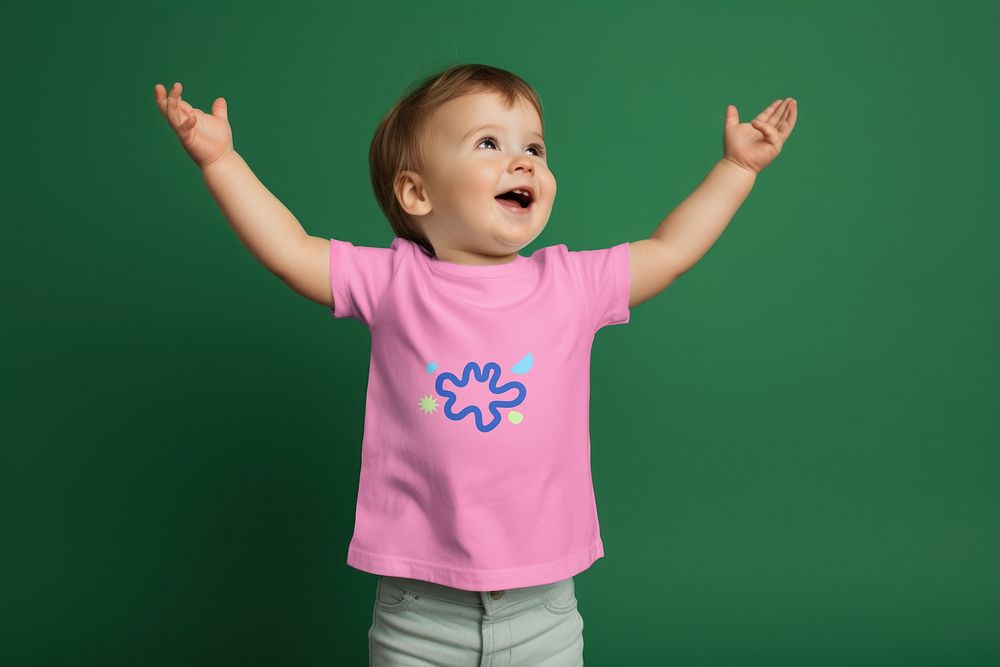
{"x":268,"y":230}
{"x":686,"y":234}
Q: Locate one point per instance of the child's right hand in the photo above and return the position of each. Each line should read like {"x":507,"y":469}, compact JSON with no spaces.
{"x":207,"y":138}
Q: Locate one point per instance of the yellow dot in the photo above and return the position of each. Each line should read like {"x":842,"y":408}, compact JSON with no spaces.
{"x":515,"y":417}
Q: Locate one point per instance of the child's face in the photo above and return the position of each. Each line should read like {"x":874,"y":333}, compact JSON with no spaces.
{"x":465,"y":172}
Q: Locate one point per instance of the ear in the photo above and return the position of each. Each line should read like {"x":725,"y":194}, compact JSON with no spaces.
{"x":412,"y":193}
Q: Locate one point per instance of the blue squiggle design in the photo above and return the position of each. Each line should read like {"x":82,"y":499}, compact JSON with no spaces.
{"x":493,"y":370}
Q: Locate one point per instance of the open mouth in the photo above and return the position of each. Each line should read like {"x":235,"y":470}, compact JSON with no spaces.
{"x":516,"y":201}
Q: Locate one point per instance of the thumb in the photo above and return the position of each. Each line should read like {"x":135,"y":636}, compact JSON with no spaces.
{"x":219,"y":108}
{"x":732,"y":116}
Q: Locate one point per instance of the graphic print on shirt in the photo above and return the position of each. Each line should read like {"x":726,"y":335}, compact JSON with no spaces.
{"x":451,"y":387}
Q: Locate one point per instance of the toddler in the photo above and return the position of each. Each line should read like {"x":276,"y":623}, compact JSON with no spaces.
{"x":475,"y":504}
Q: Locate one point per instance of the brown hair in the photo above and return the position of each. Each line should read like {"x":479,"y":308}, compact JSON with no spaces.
{"x":397,"y":144}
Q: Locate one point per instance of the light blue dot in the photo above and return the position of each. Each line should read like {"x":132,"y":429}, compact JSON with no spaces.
{"x":524,"y":365}
{"x":431,"y":367}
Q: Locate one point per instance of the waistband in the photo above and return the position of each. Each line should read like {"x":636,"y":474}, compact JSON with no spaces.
{"x":490,"y":600}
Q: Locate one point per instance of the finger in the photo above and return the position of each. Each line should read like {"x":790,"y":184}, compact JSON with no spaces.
{"x":778,"y":112}
{"x":176,"y":113}
{"x":770,"y":134}
{"x":185,"y":130}
{"x":220,"y":109}
{"x":789,"y":123}
{"x":175,"y":92}
{"x":160,"y":94}
{"x":172,"y":96}
{"x":766,"y":113}
{"x":778,"y":115}
{"x":732,"y":116}
{"x":173,"y":115}
{"x":183,"y":105}
{"x":168,"y":111}
{"x":780,"y":124}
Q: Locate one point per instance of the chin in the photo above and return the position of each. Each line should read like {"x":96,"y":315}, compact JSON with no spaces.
{"x":517,"y":240}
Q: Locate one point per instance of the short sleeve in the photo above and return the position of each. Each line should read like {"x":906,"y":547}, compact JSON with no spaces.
{"x":606,"y":278}
{"x":359,"y":279}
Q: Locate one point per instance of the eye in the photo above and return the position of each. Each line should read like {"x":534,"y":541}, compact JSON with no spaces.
{"x":489,"y":139}
{"x":539,"y":150}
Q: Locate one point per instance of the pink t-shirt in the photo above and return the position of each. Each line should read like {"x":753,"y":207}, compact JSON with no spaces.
{"x":475,"y":462}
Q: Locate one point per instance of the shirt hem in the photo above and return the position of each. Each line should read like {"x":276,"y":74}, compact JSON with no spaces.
{"x":472,"y":579}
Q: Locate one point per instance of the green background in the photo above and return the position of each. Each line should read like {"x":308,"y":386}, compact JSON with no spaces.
{"x":795,"y":446}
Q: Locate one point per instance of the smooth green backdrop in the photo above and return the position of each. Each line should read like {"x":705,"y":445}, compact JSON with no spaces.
{"x":795,"y":446}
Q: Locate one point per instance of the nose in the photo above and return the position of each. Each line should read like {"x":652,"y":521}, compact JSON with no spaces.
{"x":523,"y":162}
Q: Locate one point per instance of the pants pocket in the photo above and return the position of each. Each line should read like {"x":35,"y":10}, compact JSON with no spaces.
{"x":560,"y":598}
{"x":390,"y":597}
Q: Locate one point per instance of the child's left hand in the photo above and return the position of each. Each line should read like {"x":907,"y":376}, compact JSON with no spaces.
{"x":755,"y":144}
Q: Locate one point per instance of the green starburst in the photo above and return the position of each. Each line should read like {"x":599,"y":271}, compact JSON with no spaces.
{"x":428,"y":404}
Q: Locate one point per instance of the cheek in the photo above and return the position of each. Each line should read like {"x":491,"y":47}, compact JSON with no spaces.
{"x":548,"y":183}
{"x":551,"y":179}
{"x":475,"y":183}
{"x":483,"y":178}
